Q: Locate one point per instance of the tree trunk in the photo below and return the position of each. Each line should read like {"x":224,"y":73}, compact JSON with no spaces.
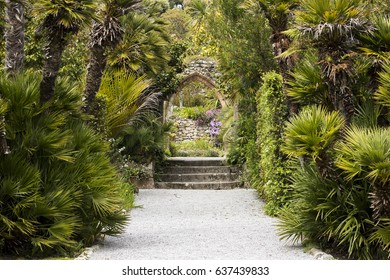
{"x":14,"y":37}
{"x":341,"y":95}
{"x":281,"y":43}
{"x":95,"y":70}
{"x":51,"y":65}
{"x":380,"y":201}
{"x":14,"y":51}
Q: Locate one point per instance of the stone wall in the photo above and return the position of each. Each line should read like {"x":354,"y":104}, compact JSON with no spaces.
{"x":188,"y":130}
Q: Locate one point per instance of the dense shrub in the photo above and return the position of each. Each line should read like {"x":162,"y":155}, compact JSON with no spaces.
{"x":272,"y":113}
{"x":58,"y":190}
{"x":340,"y":187}
{"x":144,"y":142}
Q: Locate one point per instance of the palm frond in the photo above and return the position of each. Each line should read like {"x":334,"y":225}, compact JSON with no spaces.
{"x":306,"y":85}
{"x":311,"y":132}
{"x":121,"y":92}
{"x":383,"y":92}
{"x":377,"y":42}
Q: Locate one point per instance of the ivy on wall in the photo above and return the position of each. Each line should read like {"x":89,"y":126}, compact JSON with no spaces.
{"x":273,"y":165}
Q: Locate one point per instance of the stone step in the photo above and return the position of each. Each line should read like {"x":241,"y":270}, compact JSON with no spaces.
{"x":196,"y":161}
{"x":198,"y":169}
{"x":199,"y":185}
{"x":198,"y":177}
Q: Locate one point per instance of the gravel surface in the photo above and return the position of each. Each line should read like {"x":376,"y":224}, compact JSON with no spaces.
{"x":198,"y":225}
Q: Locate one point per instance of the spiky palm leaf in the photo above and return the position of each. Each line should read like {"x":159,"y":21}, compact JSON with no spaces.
{"x":365,"y":155}
{"x":57,"y":187}
{"x":306,"y":84}
{"x":121,"y":92}
{"x":311,"y":132}
{"x":383,"y":92}
{"x":377,"y":42}
{"x":333,"y":28}
{"x":334,"y":213}
{"x":144,"y":48}
{"x":63,"y":15}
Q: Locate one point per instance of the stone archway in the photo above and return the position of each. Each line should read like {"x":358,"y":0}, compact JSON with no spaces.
{"x":208,"y":82}
{"x":203,"y":70}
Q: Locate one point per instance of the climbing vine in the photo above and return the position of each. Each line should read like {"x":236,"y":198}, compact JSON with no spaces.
{"x":271,"y":114}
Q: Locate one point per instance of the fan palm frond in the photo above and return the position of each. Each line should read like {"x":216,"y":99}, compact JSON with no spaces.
{"x":306,"y":84}
{"x":121,"y":92}
{"x":144,"y":47}
{"x":311,"y":132}
{"x":377,"y":42}
{"x":383,"y":92}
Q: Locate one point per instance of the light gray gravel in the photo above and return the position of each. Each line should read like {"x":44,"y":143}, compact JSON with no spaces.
{"x":198,"y":225}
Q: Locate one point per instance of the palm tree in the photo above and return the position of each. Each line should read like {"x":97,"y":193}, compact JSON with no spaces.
{"x":63,"y":18}
{"x":106,"y":34}
{"x":14,"y":36}
{"x":332,"y":27}
{"x":365,"y":154}
{"x":144,"y":48}
{"x":310,"y":134}
{"x":278,"y":14}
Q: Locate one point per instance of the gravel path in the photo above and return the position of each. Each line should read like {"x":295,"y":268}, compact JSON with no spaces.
{"x":198,"y":225}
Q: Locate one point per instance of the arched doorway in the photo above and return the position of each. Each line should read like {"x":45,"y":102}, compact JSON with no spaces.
{"x":195,"y":106}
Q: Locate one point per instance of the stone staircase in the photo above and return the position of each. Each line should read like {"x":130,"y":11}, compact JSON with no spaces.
{"x":197,"y":173}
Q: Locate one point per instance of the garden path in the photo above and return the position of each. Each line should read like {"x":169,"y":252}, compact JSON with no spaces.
{"x":198,"y":225}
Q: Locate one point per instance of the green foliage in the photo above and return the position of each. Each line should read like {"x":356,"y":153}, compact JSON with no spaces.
{"x":144,"y":47}
{"x":193,"y":113}
{"x":144,"y":142}
{"x":272,"y":113}
{"x":383,"y":93}
{"x":245,"y":131}
{"x":121,"y":93}
{"x":58,"y":189}
{"x":178,"y":23}
{"x":348,"y":210}
{"x":243,"y":49}
{"x":306,"y":84}
{"x":364,"y":155}
{"x":311,"y":132}
{"x":336,"y":214}
{"x":196,"y":148}
{"x":377,"y":42}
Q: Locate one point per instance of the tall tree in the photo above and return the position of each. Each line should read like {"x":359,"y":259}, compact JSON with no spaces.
{"x":106,"y":34}
{"x":63,"y":18}
{"x":333,"y":27}
{"x":278,"y":14}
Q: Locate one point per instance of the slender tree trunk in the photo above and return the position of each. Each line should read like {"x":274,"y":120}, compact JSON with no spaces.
{"x":380,"y":201}
{"x":280,"y":43}
{"x":14,"y":37}
{"x":104,"y":36}
{"x":95,"y":70}
{"x":52,"y":63}
{"x":14,"y":52}
{"x":338,"y":81}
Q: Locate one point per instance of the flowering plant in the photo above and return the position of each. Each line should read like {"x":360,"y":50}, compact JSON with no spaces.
{"x":215,"y":127}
